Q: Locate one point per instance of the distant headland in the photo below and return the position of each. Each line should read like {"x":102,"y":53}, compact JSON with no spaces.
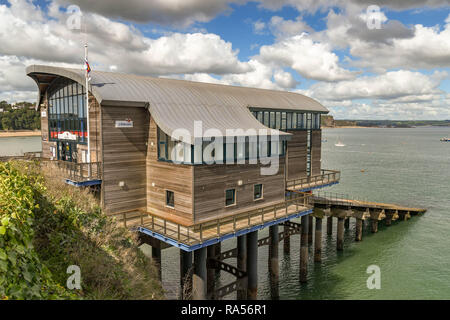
{"x":328,"y":121}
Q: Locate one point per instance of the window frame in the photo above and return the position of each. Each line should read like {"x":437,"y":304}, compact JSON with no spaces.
{"x":261,"y":191}
{"x":167,"y":199}
{"x":234,"y":197}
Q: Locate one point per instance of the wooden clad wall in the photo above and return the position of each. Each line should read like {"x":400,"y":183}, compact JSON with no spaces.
{"x":95,"y":129}
{"x":162,"y":176}
{"x":211,"y":181}
{"x":297,"y":155}
{"x":316,"y":149}
{"x":124,"y":158}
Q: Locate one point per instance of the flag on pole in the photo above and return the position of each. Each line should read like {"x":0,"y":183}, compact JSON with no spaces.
{"x":88,"y":70}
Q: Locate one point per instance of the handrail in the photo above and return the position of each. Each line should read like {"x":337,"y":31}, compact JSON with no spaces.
{"x":79,"y":172}
{"x":203,"y":231}
{"x":326,"y":176}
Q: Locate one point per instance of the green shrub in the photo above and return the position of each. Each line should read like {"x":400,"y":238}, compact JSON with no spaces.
{"x":22,"y":275}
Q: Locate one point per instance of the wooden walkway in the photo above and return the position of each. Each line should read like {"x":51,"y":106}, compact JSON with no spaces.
{"x":327,"y":177}
{"x":192,"y":234}
{"x":339,"y":200}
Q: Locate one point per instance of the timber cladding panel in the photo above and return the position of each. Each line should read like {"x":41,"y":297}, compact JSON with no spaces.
{"x":124,"y":158}
{"x":162,"y":176}
{"x":211,"y":181}
{"x":297,"y":154}
{"x":316,"y":149}
{"x":95,"y":129}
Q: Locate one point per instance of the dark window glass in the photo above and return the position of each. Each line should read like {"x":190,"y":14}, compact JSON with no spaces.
{"x":230,"y":197}
{"x":257,"y":191}
{"x":266,"y":118}
{"x":289,"y":120}
{"x":170,"y":199}
{"x":272,"y":120}
{"x":278,"y":120}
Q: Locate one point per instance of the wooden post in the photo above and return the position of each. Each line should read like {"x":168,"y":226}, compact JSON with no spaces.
{"x":318,"y":241}
{"x":252,"y":265}
{"x":242,"y":265}
{"x":329,"y":226}
{"x":340,"y":234}
{"x":286,"y":241}
{"x":199,"y":277}
{"x":374,"y":224}
{"x":304,"y":249}
{"x":310,"y":230}
{"x":273,"y":262}
{"x":210,"y":273}
{"x":217,"y":252}
{"x":359,"y":229}
{"x":347,"y":223}
{"x":156,"y":257}
{"x":185,"y":266}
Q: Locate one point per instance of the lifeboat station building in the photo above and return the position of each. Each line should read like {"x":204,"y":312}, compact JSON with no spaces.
{"x":187,"y":164}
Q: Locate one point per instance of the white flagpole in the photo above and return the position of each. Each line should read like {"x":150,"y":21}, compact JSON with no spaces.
{"x":87,"y":104}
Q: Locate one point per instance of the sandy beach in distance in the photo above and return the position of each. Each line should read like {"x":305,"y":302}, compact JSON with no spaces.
{"x":19,"y":133}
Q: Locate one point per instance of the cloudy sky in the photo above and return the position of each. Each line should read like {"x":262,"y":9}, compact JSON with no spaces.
{"x":360,"y":63}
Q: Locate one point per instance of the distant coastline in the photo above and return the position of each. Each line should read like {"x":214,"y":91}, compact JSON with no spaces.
{"x":20,"y":133}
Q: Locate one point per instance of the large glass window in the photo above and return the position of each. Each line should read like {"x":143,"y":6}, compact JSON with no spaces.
{"x":67,"y":110}
{"x":231,"y":151}
{"x":289,"y":120}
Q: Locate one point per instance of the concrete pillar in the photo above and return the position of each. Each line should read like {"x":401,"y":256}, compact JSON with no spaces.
{"x":156,"y":257}
{"x":329,"y":226}
{"x":211,"y":273}
{"x":340,"y":234}
{"x":318,"y":241}
{"x":286,"y":241}
{"x":310,"y":229}
{"x":185,"y":266}
{"x":304,"y":250}
{"x":388,"y":220}
{"x":374,"y":225}
{"x":252,"y":265}
{"x":273,"y":261}
{"x":199,"y":277}
{"x":242,"y":265}
{"x":359,"y":229}
{"x":347,"y":223}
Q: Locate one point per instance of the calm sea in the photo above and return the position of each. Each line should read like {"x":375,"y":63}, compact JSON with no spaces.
{"x":16,"y":146}
{"x":404,"y":166}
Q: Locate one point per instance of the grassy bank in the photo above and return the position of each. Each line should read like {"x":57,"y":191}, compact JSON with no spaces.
{"x":47,"y":226}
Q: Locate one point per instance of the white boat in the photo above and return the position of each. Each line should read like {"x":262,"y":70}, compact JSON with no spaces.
{"x":445,"y":139}
{"x":339,"y":144}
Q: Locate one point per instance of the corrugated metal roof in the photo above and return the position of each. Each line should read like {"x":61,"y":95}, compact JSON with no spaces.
{"x":177,"y":104}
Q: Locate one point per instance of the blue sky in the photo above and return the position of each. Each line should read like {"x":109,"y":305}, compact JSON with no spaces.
{"x":323,"y":49}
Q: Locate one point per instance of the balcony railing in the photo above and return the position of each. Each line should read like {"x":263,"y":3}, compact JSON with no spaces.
{"x":79,"y":172}
{"x":326,"y":177}
{"x":215,"y":228}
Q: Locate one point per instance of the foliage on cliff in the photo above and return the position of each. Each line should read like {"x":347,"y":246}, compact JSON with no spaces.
{"x":47,"y":226}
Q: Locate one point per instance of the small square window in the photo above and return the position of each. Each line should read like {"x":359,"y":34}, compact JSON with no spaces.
{"x":170,"y":199}
{"x":258,"y":191}
{"x":230,"y":197}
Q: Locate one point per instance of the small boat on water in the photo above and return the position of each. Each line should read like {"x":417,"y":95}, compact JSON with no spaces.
{"x":445,"y":139}
{"x":339,"y":144}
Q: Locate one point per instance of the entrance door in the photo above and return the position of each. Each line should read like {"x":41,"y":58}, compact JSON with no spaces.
{"x":67,"y":151}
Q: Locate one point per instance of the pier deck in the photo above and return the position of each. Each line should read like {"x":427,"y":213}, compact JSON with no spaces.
{"x":340,"y":200}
